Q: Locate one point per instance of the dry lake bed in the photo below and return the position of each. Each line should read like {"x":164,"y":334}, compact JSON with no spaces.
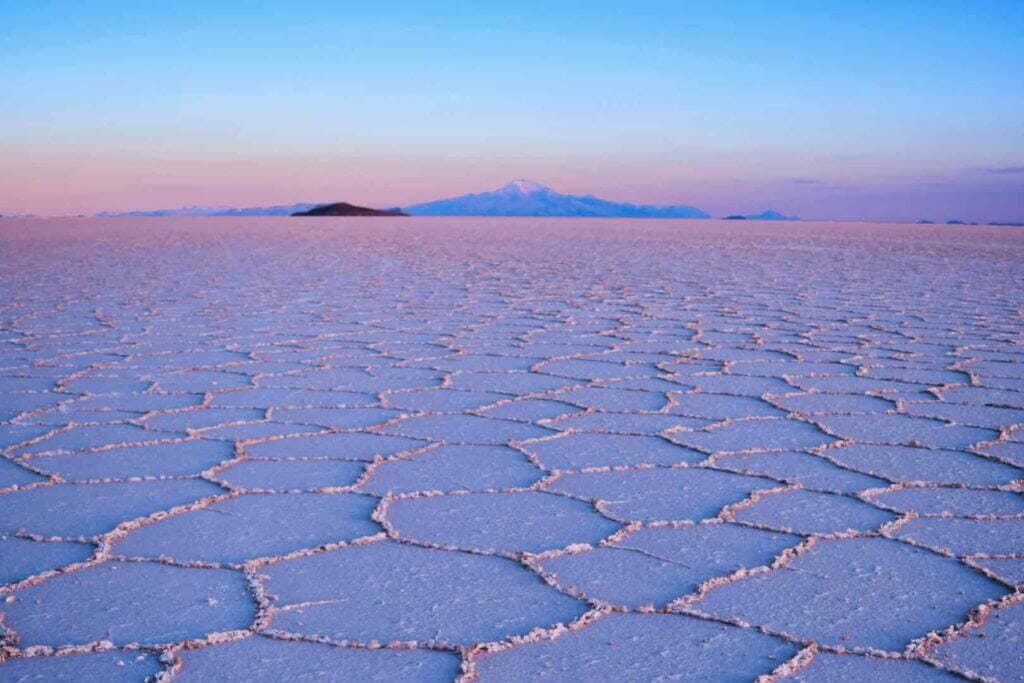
{"x":510,"y":449}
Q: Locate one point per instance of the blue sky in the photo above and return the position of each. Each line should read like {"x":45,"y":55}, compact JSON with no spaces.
{"x":894,"y":110}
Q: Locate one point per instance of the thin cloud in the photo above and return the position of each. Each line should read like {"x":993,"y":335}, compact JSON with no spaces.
{"x":805,"y":181}
{"x":1006,"y":169}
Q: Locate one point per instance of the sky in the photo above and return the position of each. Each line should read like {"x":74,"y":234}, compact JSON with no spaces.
{"x":847,"y":110}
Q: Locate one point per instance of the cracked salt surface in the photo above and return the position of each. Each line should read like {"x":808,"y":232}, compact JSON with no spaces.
{"x":649,"y":647}
{"x":826,"y":666}
{"x":531,"y":521}
{"x":455,"y":468}
{"x":385,"y":592}
{"x":112,"y":665}
{"x":858,"y":592}
{"x":128,"y":602}
{"x":246,"y":528}
{"x":510,"y":450}
{"x":179,"y":458}
{"x":271,"y":659}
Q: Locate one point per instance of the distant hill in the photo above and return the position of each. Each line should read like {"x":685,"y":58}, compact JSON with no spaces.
{"x":766,"y":215}
{"x":281,"y":210}
{"x":525,"y":198}
{"x":346,"y":209}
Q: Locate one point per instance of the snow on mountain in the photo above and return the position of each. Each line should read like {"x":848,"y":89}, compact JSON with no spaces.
{"x":527,"y":198}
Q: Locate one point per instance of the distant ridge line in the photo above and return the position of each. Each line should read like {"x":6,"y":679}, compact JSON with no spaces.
{"x":521,"y":197}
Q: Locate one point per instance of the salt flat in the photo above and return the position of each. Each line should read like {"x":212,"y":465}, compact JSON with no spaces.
{"x":508,"y":449}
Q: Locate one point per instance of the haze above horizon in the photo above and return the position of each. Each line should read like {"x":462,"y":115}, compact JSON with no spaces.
{"x":857,"y":110}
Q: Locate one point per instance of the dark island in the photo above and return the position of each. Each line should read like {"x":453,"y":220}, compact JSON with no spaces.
{"x":346,"y":209}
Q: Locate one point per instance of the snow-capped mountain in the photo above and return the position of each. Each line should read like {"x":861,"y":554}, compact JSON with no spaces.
{"x":526,"y":198}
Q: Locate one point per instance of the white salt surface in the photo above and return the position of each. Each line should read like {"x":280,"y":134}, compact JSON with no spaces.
{"x":429,"y":449}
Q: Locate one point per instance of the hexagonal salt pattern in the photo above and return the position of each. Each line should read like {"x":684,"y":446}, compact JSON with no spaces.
{"x":393,"y":592}
{"x":250,"y":527}
{"x":531,"y":521}
{"x":510,"y":450}
{"x":864,"y":592}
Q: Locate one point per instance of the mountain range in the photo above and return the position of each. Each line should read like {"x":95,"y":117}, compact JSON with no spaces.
{"x":518,"y":198}
{"x":280,"y":210}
